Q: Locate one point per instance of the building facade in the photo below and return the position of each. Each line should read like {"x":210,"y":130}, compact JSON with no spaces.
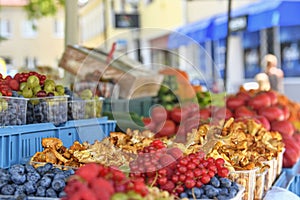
{"x":29,"y":43}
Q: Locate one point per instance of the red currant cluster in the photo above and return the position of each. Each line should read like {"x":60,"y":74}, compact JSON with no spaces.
{"x":169,"y":170}
{"x":93,"y":181}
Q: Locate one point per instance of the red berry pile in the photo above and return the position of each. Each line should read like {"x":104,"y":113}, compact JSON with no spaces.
{"x":94,"y":181}
{"x":169,"y":170}
{"x":9,"y":84}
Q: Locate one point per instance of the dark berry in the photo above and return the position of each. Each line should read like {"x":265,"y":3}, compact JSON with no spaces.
{"x":225,"y":182}
{"x":62,"y":194}
{"x":212,"y":192}
{"x":40,"y":191}
{"x":184,"y":195}
{"x":29,"y":168}
{"x":18,"y":178}
{"x":16,"y":169}
{"x":215,"y":182}
{"x":223,"y":191}
{"x":30,"y":187}
{"x":197,"y":192}
{"x":8,"y":190}
{"x":50,"y":193}
{"x":45,"y":181}
{"x":33,"y":177}
{"x":58,"y":184}
{"x":48,"y":167}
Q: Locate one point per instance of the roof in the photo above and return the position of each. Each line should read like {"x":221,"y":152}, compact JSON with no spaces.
{"x":13,"y":2}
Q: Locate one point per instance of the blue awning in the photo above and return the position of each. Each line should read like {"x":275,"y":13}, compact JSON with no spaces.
{"x":196,"y":32}
{"x":261,"y":15}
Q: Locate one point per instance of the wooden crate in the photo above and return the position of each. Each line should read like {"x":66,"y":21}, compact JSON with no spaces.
{"x":134,"y":81}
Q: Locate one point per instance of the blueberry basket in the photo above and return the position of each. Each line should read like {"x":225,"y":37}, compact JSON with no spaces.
{"x":12,"y":111}
{"x":47,"y":109}
{"x":84,"y":109}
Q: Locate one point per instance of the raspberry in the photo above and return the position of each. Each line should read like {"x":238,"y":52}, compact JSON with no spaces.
{"x":175,"y":152}
{"x":166,"y":160}
{"x":88,"y":172}
{"x":102,"y":188}
{"x":84,"y":193}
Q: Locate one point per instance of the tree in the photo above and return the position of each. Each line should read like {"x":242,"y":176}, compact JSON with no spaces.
{"x":37,"y":9}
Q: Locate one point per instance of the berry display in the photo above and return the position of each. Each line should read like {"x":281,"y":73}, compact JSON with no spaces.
{"x":25,"y":180}
{"x":83,"y":105}
{"x":12,"y":111}
{"x":213,"y":190}
{"x":169,"y":170}
{"x":93,"y":181}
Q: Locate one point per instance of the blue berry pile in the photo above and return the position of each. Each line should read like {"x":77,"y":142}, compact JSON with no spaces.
{"x":12,"y":111}
{"x":25,"y":180}
{"x":218,"y":188}
{"x":76,"y":107}
{"x":45,"y":110}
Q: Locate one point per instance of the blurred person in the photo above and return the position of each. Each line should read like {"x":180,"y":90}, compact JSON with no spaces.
{"x":272,"y":77}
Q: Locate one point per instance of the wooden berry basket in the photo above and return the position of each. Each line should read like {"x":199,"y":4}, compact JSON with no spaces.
{"x":134,"y":80}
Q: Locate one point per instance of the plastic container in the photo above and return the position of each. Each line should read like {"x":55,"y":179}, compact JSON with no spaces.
{"x":294,"y":185}
{"x":246,"y":178}
{"x":279,"y":161}
{"x":12,"y":111}
{"x":19,"y":143}
{"x":84,"y":109}
{"x":294,"y":170}
{"x":259,"y":184}
{"x":269,"y":176}
{"x":47,"y":109}
{"x":140,"y":106}
{"x":9,"y":197}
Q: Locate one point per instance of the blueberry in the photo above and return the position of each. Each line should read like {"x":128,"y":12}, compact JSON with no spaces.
{"x":33,"y":177}
{"x":7,"y":190}
{"x":50,"y":193}
{"x":19,"y":169}
{"x":184,"y":195}
{"x":206,"y":187}
{"x":203,"y":196}
{"x":215,"y":182}
{"x":235,"y":185}
{"x":4,"y":175}
{"x":58,"y":184}
{"x":222,"y":197}
{"x":30,"y":187}
{"x":40,"y":191}
{"x":232,"y":192}
{"x":212,"y":192}
{"x":68,"y":173}
{"x":41,"y":170}
{"x":189,"y":192}
{"x":49,"y":174}
{"x":62,"y":194}
{"x":224,"y":191}
{"x":2,"y":183}
{"x":60,"y":175}
{"x":197,"y":192}
{"x":225,"y":182}
{"x":18,"y":178}
{"x":48,"y":167}
{"x":20,"y":189}
{"x":45,"y":181}
{"x":29,"y":168}
{"x":22,"y":197}
{"x":56,"y":170}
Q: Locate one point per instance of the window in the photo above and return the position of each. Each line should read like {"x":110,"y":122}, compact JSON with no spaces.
{"x":5,"y":28}
{"x":30,"y":62}
{"x":59,"y":28}
{"x":29,"y":29}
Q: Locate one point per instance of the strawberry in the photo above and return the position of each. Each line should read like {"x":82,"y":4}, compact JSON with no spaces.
{"x":175,"y":152}
{"x":166,"y":160}
{"x":14,"y":84}
{"x":88,"y":172}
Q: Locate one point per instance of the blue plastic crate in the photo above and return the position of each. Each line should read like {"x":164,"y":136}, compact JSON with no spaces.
{"x":85,"y":130}
{"x":19,"y":143}
{"x":283,"y":179}
{"x":294,"y":170}
{"x":294,"y":185}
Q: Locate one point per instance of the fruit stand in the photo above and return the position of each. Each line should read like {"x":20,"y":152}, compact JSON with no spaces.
{"x":181,"y":143}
